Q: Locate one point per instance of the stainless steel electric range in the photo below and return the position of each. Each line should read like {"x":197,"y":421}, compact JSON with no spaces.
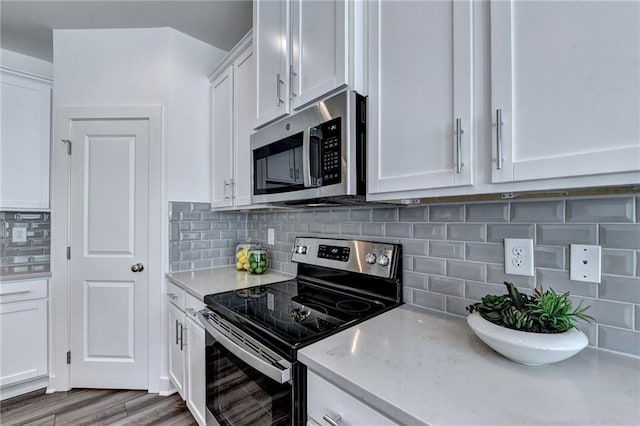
{"x":253,"y":335}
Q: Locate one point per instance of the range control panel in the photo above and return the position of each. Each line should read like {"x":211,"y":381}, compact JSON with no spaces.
{"x":333,"y":252}
{"x":364,"y":257}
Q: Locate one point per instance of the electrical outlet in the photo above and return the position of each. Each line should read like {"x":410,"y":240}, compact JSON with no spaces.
{"x":19,"y":234}
{"x":518,"y":256}
{"x":586,"y":263}
{"x":271,"y":236}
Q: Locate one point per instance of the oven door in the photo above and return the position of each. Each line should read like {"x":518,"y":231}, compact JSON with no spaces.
{"x":246,"y":382}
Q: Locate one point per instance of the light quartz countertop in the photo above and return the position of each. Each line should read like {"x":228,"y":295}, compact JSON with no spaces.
{"x":31,"y":276}
{"x":423,"y":367}
{"x":201,"y":282}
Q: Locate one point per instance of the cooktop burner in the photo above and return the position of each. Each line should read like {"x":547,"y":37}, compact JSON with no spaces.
{"x":353,"y":305}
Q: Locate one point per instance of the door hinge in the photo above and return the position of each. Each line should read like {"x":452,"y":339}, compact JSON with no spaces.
{"x":68,"y":142}
{"x":68,"y":253}
{"x":68,"y":357}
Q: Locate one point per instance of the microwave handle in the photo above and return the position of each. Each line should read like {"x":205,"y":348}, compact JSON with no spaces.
{"x":306,"y":162}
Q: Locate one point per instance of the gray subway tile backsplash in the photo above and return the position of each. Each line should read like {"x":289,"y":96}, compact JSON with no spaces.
{"x":608,"y":210}
{"x":537,"y":211}
{"x":32,"y":256}
{"x":620,"y":236}
{"x":453,"y":253}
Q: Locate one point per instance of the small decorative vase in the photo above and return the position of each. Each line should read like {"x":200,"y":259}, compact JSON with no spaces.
{"x":525,"y":347}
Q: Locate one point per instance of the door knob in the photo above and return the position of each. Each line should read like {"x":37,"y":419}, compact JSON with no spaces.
{"x":138,"y":267}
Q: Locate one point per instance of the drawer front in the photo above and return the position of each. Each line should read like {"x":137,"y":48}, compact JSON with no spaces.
{"x":325,"y":399}
{"x":176,"y":295}
{"x":193,"y":305}
{"x":16,"y":291}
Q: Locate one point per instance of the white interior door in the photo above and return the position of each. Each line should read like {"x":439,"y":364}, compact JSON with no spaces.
{"x":109,"y":212}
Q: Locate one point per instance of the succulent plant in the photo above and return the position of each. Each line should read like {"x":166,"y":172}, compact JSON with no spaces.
{"x":545,"y":311}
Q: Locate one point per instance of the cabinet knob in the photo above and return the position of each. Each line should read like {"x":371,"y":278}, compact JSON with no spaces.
{"x":138,"y":267}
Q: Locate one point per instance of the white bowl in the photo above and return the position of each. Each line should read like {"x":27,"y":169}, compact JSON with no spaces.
{"x":528,"y":348}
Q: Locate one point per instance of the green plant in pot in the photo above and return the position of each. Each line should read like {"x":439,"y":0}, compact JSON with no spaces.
{"x":532,"y":329}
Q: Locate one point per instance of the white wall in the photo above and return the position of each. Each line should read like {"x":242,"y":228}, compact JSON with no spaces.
{"x":155,"y":66}
{"x":26,"y":64}
{"x":188,"y":158}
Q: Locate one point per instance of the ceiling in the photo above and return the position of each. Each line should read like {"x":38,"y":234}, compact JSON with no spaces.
{"x":26,"y":26}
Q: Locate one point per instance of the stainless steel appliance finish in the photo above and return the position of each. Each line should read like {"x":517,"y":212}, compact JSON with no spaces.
{"x":311,"y":168}
{"x":246,"y":348}
{"x":364,"y":257}
{"x":253,"y":335}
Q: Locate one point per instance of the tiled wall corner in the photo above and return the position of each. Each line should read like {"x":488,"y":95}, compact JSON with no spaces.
{"x":453,"y":253}
{"x":200,"y":238}
{"x":32,"y":256}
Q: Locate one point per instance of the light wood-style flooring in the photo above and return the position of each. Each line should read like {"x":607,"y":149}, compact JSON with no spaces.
{"x":95,"y":407}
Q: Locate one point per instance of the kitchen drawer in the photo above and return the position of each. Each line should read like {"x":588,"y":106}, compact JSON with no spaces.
{"x":325,"y":399}
{"x":193,"y":305}
{"x":176,"y":295}
{"x":17,"y":291}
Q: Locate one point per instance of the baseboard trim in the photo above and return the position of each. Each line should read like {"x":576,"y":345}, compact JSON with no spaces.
{"x":24,"y":387}
{"x":166,"y":387}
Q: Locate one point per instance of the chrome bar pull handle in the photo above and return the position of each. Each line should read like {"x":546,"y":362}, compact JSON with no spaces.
{"x":177,"y":337}
{"x":181,"y":337}
{"x":278,"y":83}
{"x":333,"y":421}
{"x":499,"y":159}
{"x":226,"y":185}
{"x":459,"y":133}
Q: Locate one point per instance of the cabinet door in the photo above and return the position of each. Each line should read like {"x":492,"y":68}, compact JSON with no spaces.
{"x":24,"y":340}
{"x":271,"y":42}
{"x":245,"y":102}
{"x":24,"y":142}
{"x":568,"y":95}
{"x":195,"y":365}
{"x":319,"y":49}
{"x":222,"y":140}
{"x":176,"y":348}
{"x":420,"y":88}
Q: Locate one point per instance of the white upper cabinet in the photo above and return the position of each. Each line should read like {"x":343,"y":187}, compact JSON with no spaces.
{"x":271,"y":40}
{"x":25,"y":141}
{"x":305,"y":49}
{"x":222,"y":139}
{"x":565,"y":76}
{"x":420,"y":99}
{"x":233,"y":92}
{"x":318,"y":49}
{"x":244,"y":93}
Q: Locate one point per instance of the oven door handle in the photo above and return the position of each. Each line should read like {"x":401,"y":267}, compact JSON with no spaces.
{"x":275,"y":372}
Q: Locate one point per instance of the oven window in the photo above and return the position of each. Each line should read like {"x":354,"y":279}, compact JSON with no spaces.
{"x":239,"y":395}
{"x":278,"y":166}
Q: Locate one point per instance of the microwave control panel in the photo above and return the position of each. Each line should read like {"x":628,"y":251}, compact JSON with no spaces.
{"x":330,"y":133}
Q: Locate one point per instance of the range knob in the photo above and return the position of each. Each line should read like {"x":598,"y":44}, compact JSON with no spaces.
{"x":300,"y":249}
{"x":383,"y":260}
{"x":370,"y":258}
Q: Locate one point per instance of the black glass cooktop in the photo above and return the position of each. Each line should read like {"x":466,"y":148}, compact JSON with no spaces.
{"x":295,"y":312}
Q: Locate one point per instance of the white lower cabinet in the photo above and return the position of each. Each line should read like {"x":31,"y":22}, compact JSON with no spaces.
{"x":329,"y":405}
{"x":187,"y":351}
{"x":23,"y":335}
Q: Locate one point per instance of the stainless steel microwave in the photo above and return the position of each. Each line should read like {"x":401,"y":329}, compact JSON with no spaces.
{"x":316,"y":156}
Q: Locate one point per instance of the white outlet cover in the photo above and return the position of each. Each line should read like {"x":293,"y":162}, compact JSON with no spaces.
{"x":271,"y":236}
{"x":518,"y":256}
{"x":19,"y":234}
{"x":586,"y":263}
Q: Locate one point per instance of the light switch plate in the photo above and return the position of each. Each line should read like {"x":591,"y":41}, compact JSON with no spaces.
{"x":19,"y":234}
{"x":518,"y":256}
{"x":586,"y":263}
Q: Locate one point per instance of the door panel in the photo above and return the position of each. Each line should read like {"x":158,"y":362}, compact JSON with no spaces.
{"x":109,"y":233}
{"x":412,"y":131}
{"x":222,"y":132}
{"x":568,"y":95}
